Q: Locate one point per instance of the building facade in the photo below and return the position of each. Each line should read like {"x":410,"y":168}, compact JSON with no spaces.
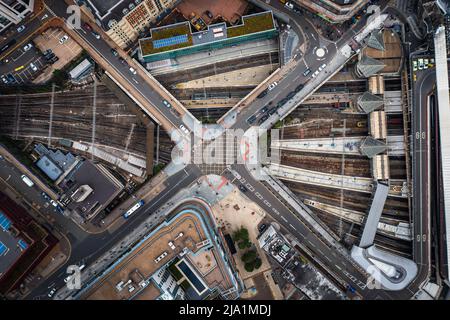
{"x":123,"y":20}
{"x":14,"y":11}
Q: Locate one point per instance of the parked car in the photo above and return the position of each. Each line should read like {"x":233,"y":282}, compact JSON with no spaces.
{"x":322,"y":67}
{"x":415,"y":65}
{"x":262,"y":227}
{"x":114,"y":52}
{"x":122,"y":60}
{"x":306,"y":72}
{"x":263,"y":118}
{"x":272,"y":111}
{"x":63,"y":39}
{"x":251,"y":119}
{"x":167,"y":104}
{"x":315,"y":74}
{"x":87,"y":26}
{"x":33,"y":67}
{"x":264,"y":109}
{"x":132,"y":70}
{"x":272,"y":85}
{"x":209,"y":14}
{"x":96,"y":35}
{"x":28,"y":47}
{"x":262,"y":94}
{"x":21,"y":28}
{"x":183,"y":128}
{"x":299,"y":87}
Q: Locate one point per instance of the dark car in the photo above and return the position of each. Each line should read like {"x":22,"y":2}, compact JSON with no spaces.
{"x":262,"y":94}
{"x":262,"y":227}
{"x":306,"y":72}
{"x":50,"y":56}
{"x":114,"y":52}
{"x":263,"y":118}
{"x":87,"y":26}
{"x":272,"y":111}
{"x":243,"y":188}
{"x":60,"y":209}
{"x":251,"y":120}
{"x":122,"y":61}
{"x":299,"y":87}
{"x":264,"y":110}
{"x":209,"y":14}
{"x":47,"y":52}
{"x":290,"y":95}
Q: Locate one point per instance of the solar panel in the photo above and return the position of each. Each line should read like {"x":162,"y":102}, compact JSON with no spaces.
{"x":4,"y":222}
{"x":23,"y":244}
{"x":170,"y":41}
{"x":3,"y":249}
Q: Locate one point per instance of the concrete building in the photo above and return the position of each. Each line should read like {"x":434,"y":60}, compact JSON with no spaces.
{"x":336,"y":11}
{"x":123,"y":20}
{"x":182,"y":258}
{"x":81,"y":70}
{"x":169,"y":42}
{"x":14,"y":11}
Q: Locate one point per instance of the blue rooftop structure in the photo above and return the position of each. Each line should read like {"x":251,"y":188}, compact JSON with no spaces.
{"x":170,"y":41}
{"x":4,"y":222}
{"x":49,"y":168}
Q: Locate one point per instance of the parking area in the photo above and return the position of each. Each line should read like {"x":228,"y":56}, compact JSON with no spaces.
{"x":23,"y":65}
{"x":65,"y":51}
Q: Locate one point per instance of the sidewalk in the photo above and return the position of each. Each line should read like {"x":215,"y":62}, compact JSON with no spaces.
{"x":8,"y":156}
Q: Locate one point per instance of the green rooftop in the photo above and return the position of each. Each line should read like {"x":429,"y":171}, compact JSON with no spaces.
{"x":252,"y":24}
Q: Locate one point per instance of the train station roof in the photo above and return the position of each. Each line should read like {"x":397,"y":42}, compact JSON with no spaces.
{"x":368,"y":66}
{"x":376,"y":40}
{"x":369,"y":102}
{"x":370,"y":147}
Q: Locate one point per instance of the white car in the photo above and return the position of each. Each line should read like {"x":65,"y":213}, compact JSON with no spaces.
{"x":64,"y":39}
{"x":289,"y":5}
{"x":53,"y":202}
{"x":272,"y":86}
{"x":28,"y":47}
{"x":167,"y":104}
{"x":315,"y":73}
{"x":51,"y":293}
{"x":183,"y":128}
{"x":132,"y":70}
{"x":33,"y":67}
{"x":322,"y":67}
{"x":20,"y":29}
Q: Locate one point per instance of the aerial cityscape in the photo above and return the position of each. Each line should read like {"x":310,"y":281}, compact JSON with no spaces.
{"x":224,"y":150}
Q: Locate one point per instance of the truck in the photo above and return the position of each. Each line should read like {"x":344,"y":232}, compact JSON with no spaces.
{"x":27,"y":180}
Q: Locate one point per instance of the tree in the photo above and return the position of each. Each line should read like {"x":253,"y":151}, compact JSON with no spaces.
{"x":249,"y":267}
{"x":257,"y":263}
{"x":249,"y":256}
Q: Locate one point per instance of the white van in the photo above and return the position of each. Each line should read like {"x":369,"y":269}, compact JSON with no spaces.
{"x":27,"y":181}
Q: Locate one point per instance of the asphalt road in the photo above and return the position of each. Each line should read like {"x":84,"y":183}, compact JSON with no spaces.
{"x":91,"y":246}
{"x":89,"y":249}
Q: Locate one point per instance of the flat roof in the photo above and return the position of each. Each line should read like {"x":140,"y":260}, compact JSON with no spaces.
{"x":86,"y":173}
{"x":11,"y":248}
{"x":251,"y":24}
{"x":186,"y":231}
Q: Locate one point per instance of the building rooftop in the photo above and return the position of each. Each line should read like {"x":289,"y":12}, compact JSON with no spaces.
{"x":276,"y":246}
{"x":369,"y":102}
{"x":179,"y":35}
{"x":370,"y":147}
{"x":368,"y":66}
{"x":105,"y":188}
{"x":194,"y":260}
{"x":11,"y":247}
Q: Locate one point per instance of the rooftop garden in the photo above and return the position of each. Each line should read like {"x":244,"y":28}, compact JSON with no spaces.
{"x":252,"y":24}
{"x":164,"y":33}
